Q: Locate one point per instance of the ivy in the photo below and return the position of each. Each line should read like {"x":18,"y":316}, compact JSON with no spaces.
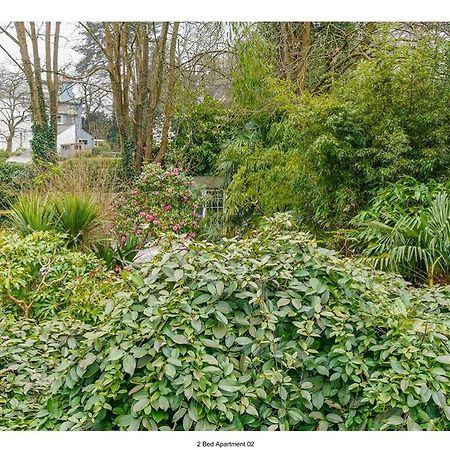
{"x":127,"y":168}
{"x":43,"y":142}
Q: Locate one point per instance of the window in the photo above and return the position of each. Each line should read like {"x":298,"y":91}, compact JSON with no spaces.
{"x":212,"y":200}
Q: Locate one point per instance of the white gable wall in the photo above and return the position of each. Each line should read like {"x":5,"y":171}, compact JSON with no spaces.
{"x":66,"y":137}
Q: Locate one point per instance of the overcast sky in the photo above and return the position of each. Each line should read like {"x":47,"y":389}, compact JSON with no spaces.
{"x":67,"y":56}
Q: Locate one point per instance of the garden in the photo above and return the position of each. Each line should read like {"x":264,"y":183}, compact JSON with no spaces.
{"x":314,"y":297}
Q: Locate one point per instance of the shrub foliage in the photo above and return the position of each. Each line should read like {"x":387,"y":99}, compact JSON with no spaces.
{"x":159,"y":202}
{"x":268,"y":333}
{"x":40,"y":277}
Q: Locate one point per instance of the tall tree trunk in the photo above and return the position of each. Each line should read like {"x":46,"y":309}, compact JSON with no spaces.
{"x":9,"y":140}
{"x":44,"y":135}
{"x":305,"y":43}
{"x":51,"y":65}
{"x":141,"y":95}
{"x":155,"y":83}
{"x":53,"y":99}
{"x":169,"y":98}
{"x":115,"y":76}
{"x":36,"y":112}
{"x":287,"y":49}
{"x":37,"y":66}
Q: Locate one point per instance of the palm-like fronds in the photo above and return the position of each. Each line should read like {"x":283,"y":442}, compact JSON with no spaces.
{"x":413,"y":240}
{"x":78,"y":217}
{"x":30,"y":213}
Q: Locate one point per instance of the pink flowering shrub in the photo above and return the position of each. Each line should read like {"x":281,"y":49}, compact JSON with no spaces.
{"x":159,"y":202}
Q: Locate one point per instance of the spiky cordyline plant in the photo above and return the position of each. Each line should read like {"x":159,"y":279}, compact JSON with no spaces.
{"x":30,"y":213}
{"x":76,"y":216}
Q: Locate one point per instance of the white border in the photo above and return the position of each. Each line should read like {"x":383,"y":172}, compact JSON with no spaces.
{"x":227,"y":10}
{"x":189,"y":440}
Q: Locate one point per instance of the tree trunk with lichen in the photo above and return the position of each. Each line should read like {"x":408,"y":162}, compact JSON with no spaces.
{"x":155,"y":84}
{"x":44,"y":131}
{"x":169,"y":97}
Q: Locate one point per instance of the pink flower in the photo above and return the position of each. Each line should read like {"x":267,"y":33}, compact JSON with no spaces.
{"x":143,"y":214}
{"x":135,"y":192}
{"x":138,"y":231}
{"x":175,"y":228}
{"x":167,"y":207}
{"x":155,"y":222}
{"x":149,"y":217}
{"x":185,"y":198}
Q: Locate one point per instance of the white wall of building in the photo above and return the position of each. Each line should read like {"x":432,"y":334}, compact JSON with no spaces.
{"x":68,"y":136}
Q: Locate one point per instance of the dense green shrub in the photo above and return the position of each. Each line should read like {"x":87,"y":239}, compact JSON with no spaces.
{"x":385,"y":120}
{"x":13,"y":179}
{"x":201,"y":128}
{"x":4,"y":155}
{"x":29,"y":355}
{"x":271,"y":332}
{"x":40,"y":276}
{"x":324,"y":156}
{"x":159,"y":202}
{"x":406,"y":228}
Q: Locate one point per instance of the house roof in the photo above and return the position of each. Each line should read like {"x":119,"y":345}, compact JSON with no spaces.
{"x":62,"y":128}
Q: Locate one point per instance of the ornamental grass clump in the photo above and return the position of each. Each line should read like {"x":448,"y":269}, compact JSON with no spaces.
{"x":160,"y":202}
{"x":271,"y":332}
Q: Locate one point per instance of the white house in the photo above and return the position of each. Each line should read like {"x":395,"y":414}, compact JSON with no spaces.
{"x":71,"y":137}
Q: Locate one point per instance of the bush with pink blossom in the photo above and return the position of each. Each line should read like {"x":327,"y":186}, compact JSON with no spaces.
{"x":160,"y":202}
